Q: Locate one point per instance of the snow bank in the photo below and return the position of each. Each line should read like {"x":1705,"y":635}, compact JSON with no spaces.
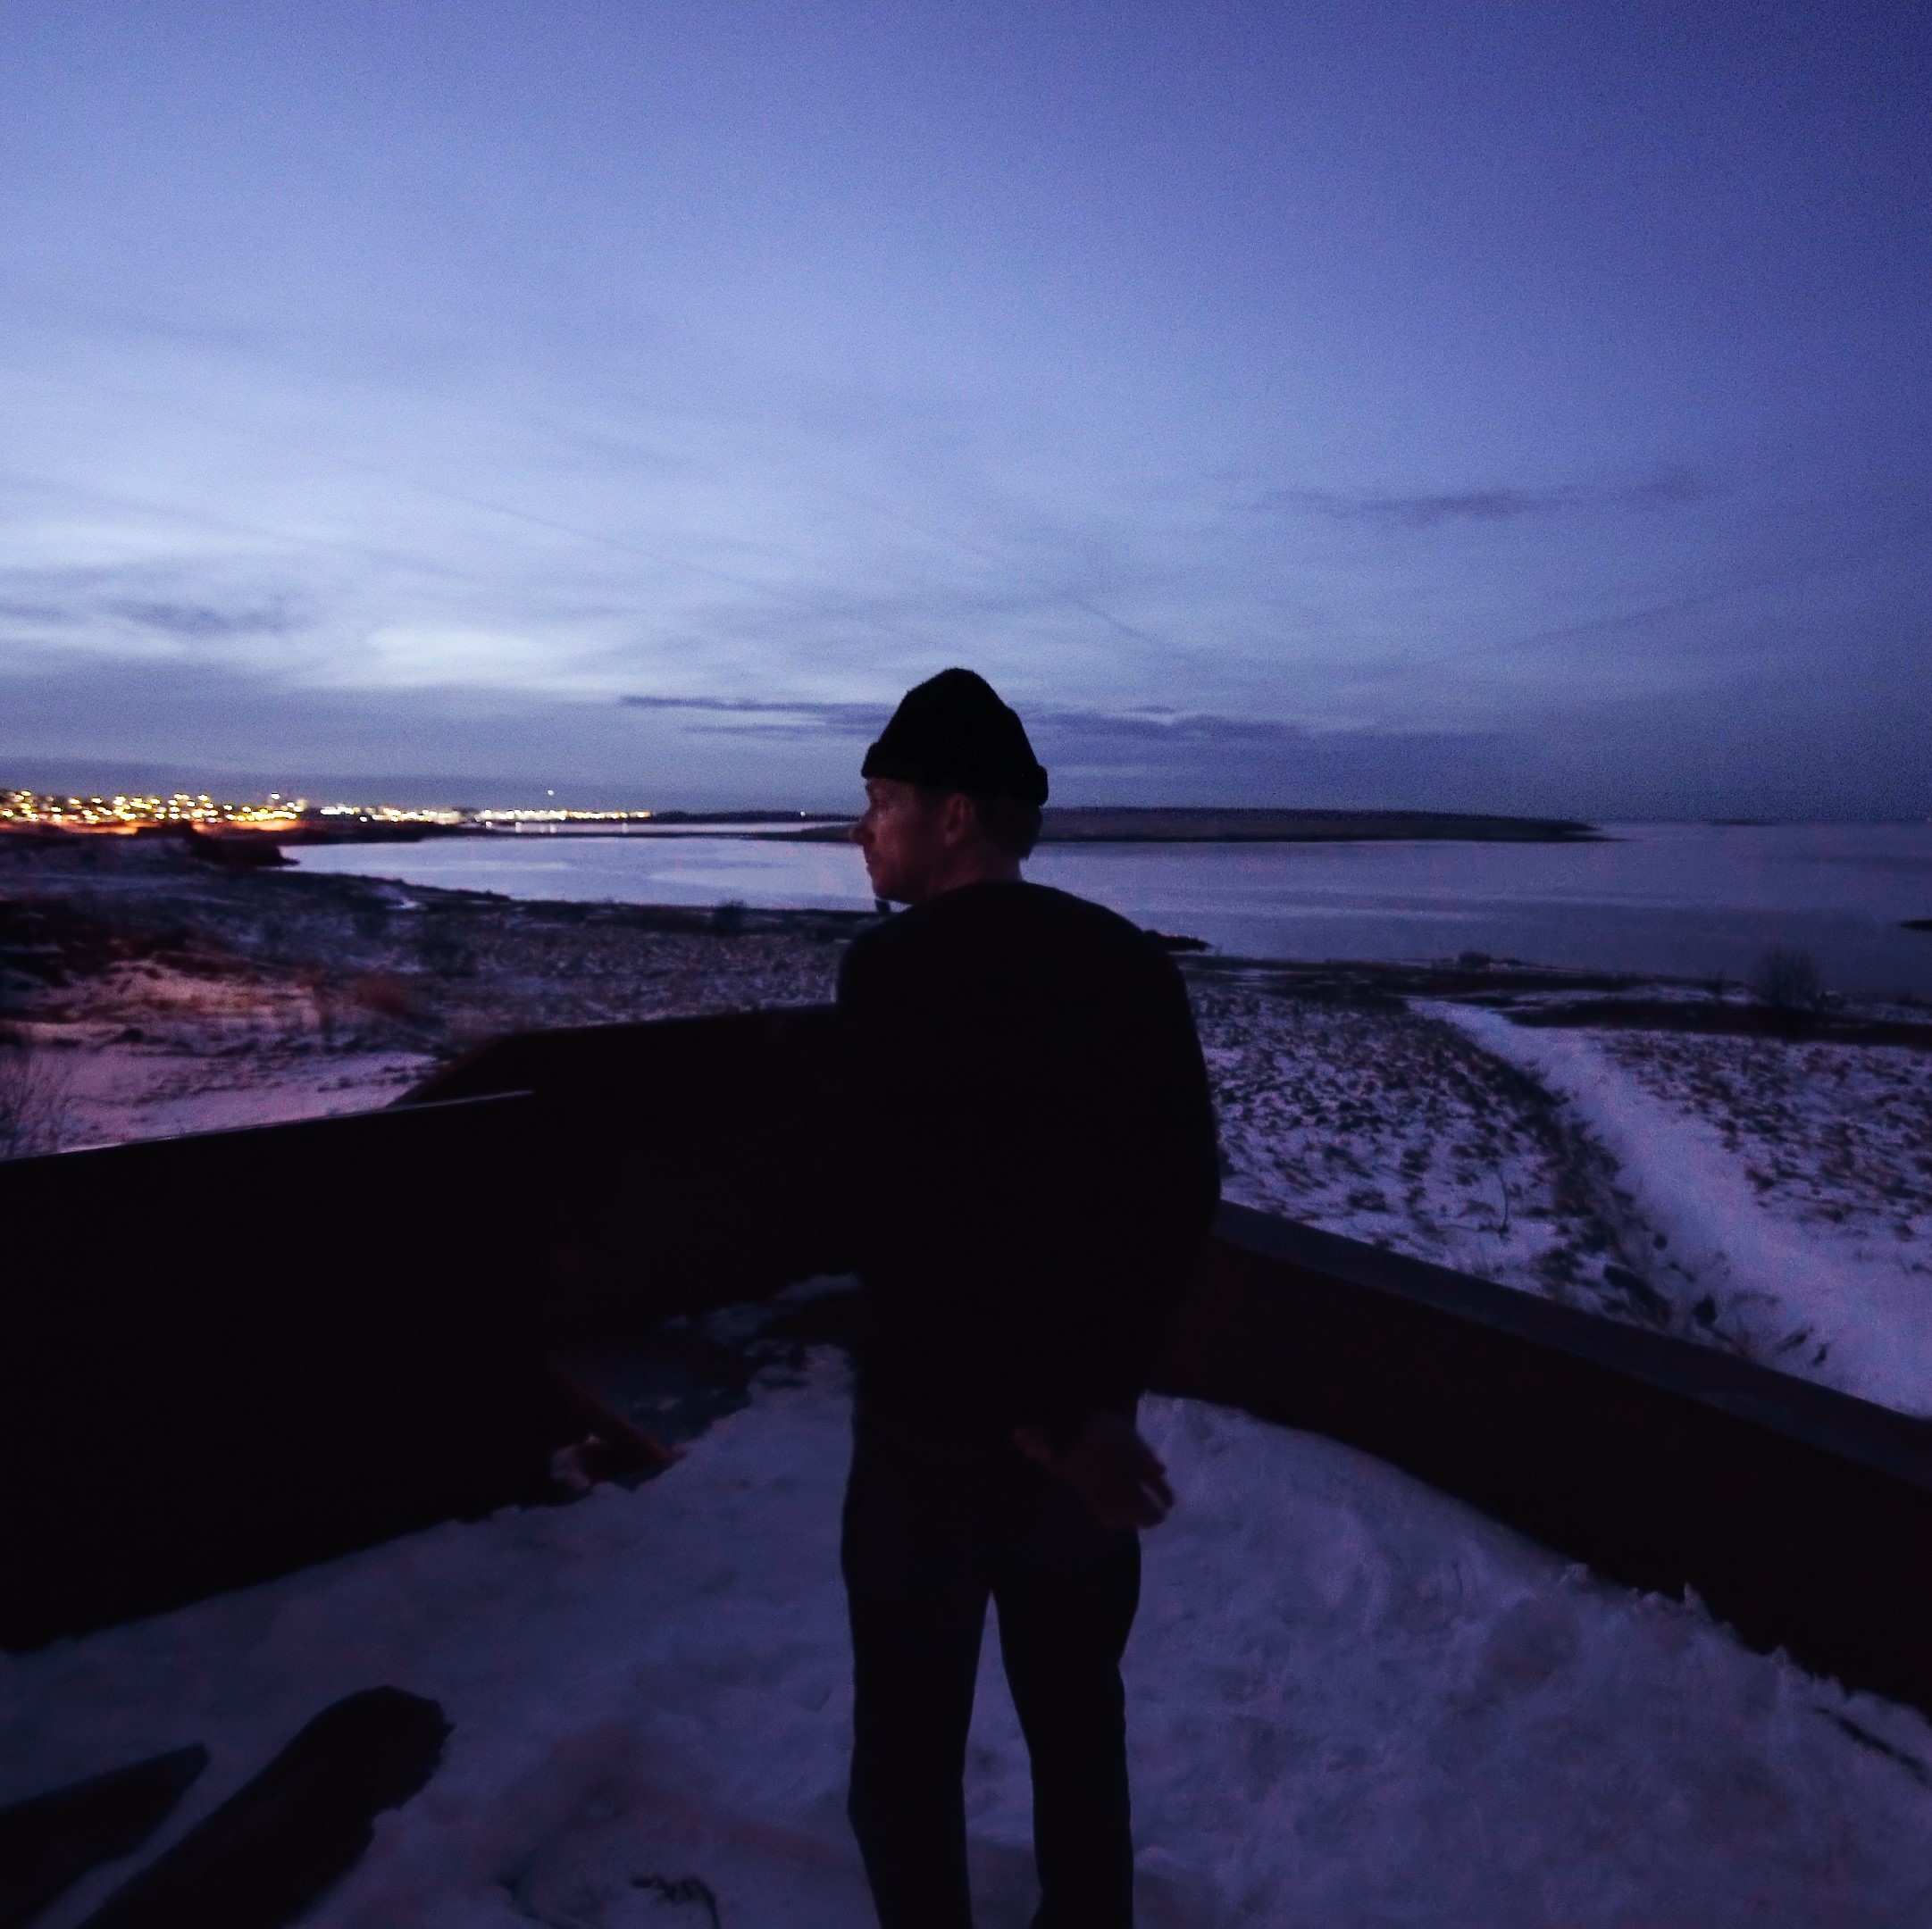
{"x":1801,"y":1296}
{"x":1354,"y":1702}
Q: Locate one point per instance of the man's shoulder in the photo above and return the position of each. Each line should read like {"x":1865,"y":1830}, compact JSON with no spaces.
{"x":1060,"y":915}
{"x":1019,"y":906}
{"x":1005,"y":924}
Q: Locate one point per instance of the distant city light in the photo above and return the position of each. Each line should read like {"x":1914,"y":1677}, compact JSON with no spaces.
{"x":124,"y":813}
{"x":289,"y":814}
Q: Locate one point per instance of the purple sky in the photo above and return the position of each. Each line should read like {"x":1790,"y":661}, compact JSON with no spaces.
{"x":1521,"y":407}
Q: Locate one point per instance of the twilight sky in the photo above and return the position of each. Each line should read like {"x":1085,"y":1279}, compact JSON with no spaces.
{"x":1438,"y":404}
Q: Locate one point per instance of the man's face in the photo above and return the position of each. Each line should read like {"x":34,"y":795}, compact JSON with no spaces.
{"x":903,"y":837}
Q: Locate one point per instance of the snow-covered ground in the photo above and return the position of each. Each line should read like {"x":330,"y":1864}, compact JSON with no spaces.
{"x":1353,"y":1702}
{"x":1373,"y":1121}
{"x":144,"y":995}
{"x":150,"y":1050}
{"x":1785,"y":1190}
{"x":1828,"y":1136}
{"x":1768,"y":1197}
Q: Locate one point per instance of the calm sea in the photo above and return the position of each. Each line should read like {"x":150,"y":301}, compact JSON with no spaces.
{"x":1671,"y":899}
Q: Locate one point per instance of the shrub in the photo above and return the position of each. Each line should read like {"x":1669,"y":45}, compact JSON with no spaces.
{"x":1786,"y":979}
{"x":33,"y":1102}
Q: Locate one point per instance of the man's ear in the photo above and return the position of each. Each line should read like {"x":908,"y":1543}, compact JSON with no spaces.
{"x":958,"y":820}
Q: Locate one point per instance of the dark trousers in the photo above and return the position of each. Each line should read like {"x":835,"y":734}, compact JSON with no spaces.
{"x":936,"y":1520}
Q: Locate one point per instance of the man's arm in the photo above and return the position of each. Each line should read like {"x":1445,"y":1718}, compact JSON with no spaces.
{"x":1164,"y":1180}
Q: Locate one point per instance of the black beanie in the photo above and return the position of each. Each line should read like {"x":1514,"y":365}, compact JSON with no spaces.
{"x":953,"y":732}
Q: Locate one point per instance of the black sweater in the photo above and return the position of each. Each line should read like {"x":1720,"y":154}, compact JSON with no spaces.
{"x":1038,"y":1152}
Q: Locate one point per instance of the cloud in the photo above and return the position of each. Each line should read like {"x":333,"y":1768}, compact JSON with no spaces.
{"x":1088,"y":738}
{"x":1164,"y":729}
{"x":181,"y":599}
{"x":1667,"y":489}
{"x":1155,"y":754}
{"x":201,"y":622}
{"x":779,"y":720}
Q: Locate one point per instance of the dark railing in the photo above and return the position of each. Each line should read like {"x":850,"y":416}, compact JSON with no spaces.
{"x":1800,"y":1516}
{"x":230,"y":1354}
{"x":681,"y":1164}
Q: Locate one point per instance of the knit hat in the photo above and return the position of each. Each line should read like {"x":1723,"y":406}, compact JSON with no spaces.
{"x":953,"y":732}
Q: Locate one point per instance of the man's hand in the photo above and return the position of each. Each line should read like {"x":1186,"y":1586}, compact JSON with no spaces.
{"x":1118,"y":1475}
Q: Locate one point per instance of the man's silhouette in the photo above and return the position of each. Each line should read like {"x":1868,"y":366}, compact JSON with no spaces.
{"x":1038,"y":1153}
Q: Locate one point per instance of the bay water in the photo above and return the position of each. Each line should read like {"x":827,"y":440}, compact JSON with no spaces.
{"x":1689,"y":901}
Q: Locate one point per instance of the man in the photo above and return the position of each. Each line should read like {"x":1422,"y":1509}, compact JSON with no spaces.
{"x":1038,"y":1150}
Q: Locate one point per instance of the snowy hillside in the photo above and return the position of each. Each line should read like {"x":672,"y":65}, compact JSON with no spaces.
{"x":1768,"y":1197}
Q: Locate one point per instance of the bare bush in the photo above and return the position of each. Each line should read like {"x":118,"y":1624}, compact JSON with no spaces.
{"x":33,"y":1101}
{"x":1786,"y":979}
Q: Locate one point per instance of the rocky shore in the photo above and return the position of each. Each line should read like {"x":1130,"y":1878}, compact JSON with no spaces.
{"x":144,"y":992}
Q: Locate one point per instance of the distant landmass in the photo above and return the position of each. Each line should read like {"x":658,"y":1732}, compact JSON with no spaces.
{"x":1110,"y":824}
{"x":1113,"y":826}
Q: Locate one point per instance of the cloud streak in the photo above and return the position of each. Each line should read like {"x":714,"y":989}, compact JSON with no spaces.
{"x":1668,"y":488}
{"x":797,"y":717}
{"x":1086,"y":736}
{"x":201,"y":622}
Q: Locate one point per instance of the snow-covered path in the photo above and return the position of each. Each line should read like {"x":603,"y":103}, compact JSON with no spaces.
{"x":1354,"y":1703}
{"x":1809,"y":1296}
{"x":1387,"y":1126}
